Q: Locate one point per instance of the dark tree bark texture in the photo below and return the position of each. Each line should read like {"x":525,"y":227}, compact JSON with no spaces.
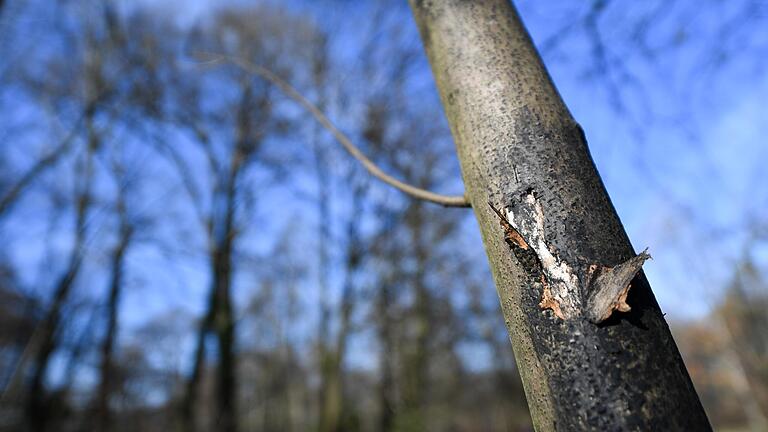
{"x":587,"y":360}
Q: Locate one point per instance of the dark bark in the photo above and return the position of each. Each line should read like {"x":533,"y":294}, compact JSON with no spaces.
{"x":520,"y":149}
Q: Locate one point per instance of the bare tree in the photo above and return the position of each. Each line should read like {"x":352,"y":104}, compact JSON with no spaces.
{"x":228,"y":162}
{"x":222,"y":234}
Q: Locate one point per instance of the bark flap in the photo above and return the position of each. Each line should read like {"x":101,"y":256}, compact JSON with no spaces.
{"x":610,"y":286}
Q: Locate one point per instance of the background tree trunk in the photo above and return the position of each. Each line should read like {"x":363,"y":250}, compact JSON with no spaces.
{"x":46,"y":341}
{"x":103,"y":410}
{"x":224,"y":321}
{"x":520,"y":149}
{"x":192,"y":386}
{"x":416,"y":358}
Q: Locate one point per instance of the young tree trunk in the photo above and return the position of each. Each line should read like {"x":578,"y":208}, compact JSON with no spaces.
{"x":584,"y":366}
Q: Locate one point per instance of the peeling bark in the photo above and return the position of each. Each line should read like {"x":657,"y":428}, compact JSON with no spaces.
{"x":562,"y":291}
{"x":560,"y":284}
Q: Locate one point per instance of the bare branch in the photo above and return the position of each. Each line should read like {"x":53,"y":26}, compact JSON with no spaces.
{"x":14,"y":191}
{"x":344,"y":140}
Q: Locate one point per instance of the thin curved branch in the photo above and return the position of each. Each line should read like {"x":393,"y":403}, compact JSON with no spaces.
{"x":8,"y":199}
{"x":372,"y":168}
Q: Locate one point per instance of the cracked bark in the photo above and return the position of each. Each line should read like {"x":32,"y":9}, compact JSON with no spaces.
{"x":588,"y":361}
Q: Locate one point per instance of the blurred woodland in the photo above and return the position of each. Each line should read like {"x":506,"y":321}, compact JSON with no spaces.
{"x":185,"y":248}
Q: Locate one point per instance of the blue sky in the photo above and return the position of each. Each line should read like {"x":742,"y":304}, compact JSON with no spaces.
{"x":682,"y":164}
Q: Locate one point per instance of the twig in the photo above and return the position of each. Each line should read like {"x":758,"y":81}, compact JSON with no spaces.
{"x":291,"y":92}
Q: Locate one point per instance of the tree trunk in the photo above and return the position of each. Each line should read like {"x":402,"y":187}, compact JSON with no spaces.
{"x":226,"y":414}
{"x":188,"y":419}
{"x":222,"y":237}
{"x":103,"y":412}
{"x":328,"y":402}
{"x":416,"y":358}
{"x":335,"y":410}
{"x":37,"y":411}
{"x":584,"y":365}
{"x":218,"y":319}
{"x":386,"y":389}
